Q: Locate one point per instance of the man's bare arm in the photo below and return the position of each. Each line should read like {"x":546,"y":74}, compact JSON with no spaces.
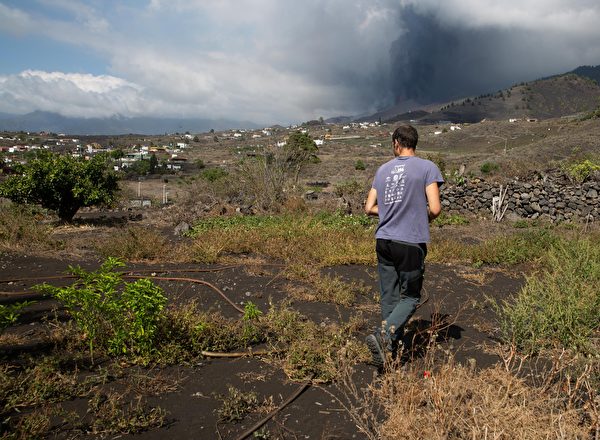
{"x":371,"y":207}
{"x":432,"y":191}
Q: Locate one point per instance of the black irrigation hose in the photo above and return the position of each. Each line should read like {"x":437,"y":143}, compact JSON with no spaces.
{"x":272,"y":414}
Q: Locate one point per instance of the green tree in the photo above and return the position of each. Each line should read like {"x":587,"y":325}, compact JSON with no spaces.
{"x":62,"y":183}
{"x":300,"y":149}
{"x":153,"y":163}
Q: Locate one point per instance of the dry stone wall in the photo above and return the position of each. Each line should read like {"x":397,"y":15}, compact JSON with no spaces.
{"x":551,"y":197}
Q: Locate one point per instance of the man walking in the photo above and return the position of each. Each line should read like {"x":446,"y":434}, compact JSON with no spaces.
{"x":405,"y":195}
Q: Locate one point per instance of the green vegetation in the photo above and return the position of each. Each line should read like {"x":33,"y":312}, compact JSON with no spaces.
{"x":300,"y":149}
{"x":9,"y":313}
{"x":359,"y":165}
{"x":62,"y":183}
{"x":343,"y":239}
{"x":450,"y":219}
{"x":489,"y":167}
{"x":213,"y":174}
{"x":582,"y":170}
{"x":119,"y":317}
{"x":236,"y":404}
{"x":559,"y":307}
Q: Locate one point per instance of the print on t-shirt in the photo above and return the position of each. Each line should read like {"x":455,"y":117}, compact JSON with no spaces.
{"x":394,"y":186}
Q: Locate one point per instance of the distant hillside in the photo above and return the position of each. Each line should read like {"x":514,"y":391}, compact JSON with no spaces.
{"x":592,"y":72}
{"x":51,"y":122}
{"x":546,"y":98}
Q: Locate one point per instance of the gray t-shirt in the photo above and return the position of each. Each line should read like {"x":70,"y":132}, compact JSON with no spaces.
{"x":401,"y":200}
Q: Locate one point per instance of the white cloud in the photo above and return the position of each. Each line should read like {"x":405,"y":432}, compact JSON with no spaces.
{"x":80,"y":95}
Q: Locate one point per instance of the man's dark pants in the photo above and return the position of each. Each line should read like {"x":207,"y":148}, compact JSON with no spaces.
{"x":401,"y":267}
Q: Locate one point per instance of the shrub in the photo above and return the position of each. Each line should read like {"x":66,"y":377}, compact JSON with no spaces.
{"x":360,"y":165}
{"x":581,"y":171}
{"x":489,"y":167}
{"x":213,"y":174}
{"x":560,"y":306}
{"x":114,"y":315}
{"x":62,"y":183}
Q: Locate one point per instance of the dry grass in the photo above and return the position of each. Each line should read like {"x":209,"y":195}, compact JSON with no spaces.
{"x":323,"y":240}
{"x":460,"y":403}
{"x":322,"y":287}
{"x":22,"y":229}
{"x":449,"y":400}
{"x":135,"y":244}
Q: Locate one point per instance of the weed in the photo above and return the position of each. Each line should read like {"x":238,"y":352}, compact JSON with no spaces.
{"x":560,"y":306}
{"x":20,"y":227}
{"x":287,"y":237}
{"x":213,"y":174}
{"x":359,"y":165}
{"x":187,"y":331}
{"x":450,"y":219}
{"x":10,"y":313}
{"x":118,"y":316}
{"x":520,"y":247}
{"x":489,"y":167}
{"x":323,"y":288}
{"x":251,"y":312}
{"x":236,"y":404}
{"x":42,"y":383}
{"x":112,"y":416}
{"x":311,"y":350}
{"x":134,"y":244}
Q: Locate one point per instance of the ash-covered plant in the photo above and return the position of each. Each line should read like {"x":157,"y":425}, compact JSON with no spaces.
{"x":112,"y":314}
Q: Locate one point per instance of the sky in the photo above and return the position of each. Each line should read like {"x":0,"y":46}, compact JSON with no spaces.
{"x":279,"y":61}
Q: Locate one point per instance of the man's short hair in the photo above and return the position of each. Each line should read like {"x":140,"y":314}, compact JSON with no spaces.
{"x":407,"y":136}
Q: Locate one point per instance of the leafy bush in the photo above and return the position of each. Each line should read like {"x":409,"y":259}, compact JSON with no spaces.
{"x":114,"y":315}
{"x":213,"y":174}
{"x":560,"y":306}
{"x":489,"y":167}
{"x":359,"y":165}
{"x":62,"y":183}
{"x":581,"y":171}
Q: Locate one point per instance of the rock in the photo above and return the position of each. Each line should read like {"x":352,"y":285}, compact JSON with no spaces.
{"x":181,"y":228}
{"x":592,"y":194}
{"x":536,"y":207}
{"x":525,"y":196}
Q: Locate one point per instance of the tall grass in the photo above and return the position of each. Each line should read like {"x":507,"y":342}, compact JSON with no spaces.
{"x":20,"y":228}
{"x":561,"y":305}
{"x":321,"y":240}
